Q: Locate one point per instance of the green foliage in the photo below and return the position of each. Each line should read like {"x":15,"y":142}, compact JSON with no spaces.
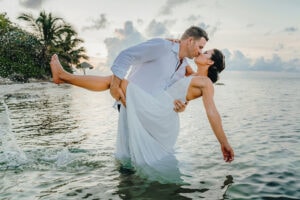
{"x":19,"y":53}
{"x":26,"y":55}
{"x":58,"y":37}
{"x":5,"y":24}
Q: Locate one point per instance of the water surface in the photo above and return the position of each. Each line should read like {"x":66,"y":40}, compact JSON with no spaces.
{"x":58,"y":142}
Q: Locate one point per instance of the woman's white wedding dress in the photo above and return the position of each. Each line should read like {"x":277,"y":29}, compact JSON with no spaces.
{"x":153,"y":127}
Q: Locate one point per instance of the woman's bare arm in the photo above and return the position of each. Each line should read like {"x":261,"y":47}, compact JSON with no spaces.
{"x":207,"y":92}
{"x":212,"y":113}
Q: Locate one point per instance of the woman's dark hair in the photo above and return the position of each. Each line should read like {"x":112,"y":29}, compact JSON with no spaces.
{"x":217,"y":67}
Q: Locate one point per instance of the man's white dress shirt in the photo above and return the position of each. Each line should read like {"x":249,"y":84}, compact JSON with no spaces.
{"x":152,"y":65}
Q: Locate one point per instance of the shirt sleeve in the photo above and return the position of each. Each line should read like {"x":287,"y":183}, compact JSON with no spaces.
{"x":141,"y":53}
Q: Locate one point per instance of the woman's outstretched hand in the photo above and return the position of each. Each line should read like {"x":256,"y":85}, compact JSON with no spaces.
{"x":228,"y":154}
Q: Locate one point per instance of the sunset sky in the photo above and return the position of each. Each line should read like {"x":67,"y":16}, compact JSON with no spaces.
{"x":253,"y":34}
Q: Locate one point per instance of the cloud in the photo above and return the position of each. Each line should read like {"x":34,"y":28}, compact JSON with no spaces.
{"x":204,"y":26}
{"x":34,"y":4}
{"x":192,"y":19}
{"x":140,"y":21}
{"x":100,"y":23}
{"x":249,"y":25}
{"x":211,"y":30}
{"x":279,"y":47}
{"x":236,"y":60}
{"x":167,"y":9}
{"x":124,"y":38}
{"x":293,"y":65}
{"x":276,"y":64}
{"x":198,"y":21}
{"x":270,"y":32}
{"x":291,"y":29}
{"x":273,"y":64}
{"x":159,"y":29}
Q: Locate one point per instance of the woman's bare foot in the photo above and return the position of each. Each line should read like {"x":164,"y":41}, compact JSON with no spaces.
{"x":57,"y":70}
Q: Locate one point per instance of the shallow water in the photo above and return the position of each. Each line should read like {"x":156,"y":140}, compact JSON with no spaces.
{"x":57,"y":142}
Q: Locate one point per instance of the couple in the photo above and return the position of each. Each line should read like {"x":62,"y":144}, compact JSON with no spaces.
{"x":147,"y":79}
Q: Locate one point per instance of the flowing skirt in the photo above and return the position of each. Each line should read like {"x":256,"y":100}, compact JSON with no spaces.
{"x":148,"y":130}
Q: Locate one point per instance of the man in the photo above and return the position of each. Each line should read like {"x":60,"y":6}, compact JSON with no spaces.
{"x":153,"y":66}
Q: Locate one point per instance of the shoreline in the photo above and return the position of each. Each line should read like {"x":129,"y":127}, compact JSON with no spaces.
{"x":7,"y":81}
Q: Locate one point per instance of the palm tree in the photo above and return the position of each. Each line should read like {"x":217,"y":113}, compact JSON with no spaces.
{"x":56,"y":36}
{"x":69,"y":50}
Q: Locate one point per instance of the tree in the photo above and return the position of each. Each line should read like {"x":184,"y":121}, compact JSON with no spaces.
{"x":19,"y":52}
{"x":5,"y":24}
{"x":56,"y":36}
{"x":69,"y":50}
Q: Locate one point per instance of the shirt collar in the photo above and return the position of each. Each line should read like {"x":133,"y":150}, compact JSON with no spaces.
{"x":175,"y":49}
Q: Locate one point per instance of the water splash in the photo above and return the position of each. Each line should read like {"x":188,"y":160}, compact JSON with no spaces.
{"x":64,"y":157}
{"x":12,"y":156}
{"x":61,"y":159}
{"x":5,"y":122}
{"x":10,"y":152}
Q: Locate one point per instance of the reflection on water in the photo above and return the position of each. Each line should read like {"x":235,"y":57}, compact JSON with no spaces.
{"x":61,"y":140}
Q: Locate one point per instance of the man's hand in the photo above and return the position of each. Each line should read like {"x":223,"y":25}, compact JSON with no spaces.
{"x":228,"y":154}
{"x":114,"y":87}
{"x":179,"y":106}
{"x":116,"y":91}
{"x":122,"y":97}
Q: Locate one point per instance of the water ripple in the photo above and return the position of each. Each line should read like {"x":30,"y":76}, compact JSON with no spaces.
{"x":61,"y":140}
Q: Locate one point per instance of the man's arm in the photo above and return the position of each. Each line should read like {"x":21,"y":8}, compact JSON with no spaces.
{"x":144,"y":52}
{"x":141,"y":53}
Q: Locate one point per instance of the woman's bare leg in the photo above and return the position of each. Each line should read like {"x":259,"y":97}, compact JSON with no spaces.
{"x":95,"y":83}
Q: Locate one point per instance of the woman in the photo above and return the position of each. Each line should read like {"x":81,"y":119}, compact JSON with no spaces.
{"x":152,"y":122}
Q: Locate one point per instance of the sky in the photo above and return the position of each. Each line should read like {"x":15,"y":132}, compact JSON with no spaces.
{"x":253,"y":34}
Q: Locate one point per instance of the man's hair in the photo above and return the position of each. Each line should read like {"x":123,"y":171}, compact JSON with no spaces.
{"x":195,"y":32}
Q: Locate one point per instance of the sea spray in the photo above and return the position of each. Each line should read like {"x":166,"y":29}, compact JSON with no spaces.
{"x":11,"y":154}
{"x":63,"y":157}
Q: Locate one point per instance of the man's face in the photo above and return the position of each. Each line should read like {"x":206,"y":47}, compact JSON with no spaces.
{"x":195,"y":47}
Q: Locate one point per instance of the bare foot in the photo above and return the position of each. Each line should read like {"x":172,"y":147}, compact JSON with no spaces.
{"x":56,"y":69}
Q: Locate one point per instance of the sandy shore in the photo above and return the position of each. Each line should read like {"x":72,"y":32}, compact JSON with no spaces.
{"x":4,"y":81}
{"x":7,"y":81}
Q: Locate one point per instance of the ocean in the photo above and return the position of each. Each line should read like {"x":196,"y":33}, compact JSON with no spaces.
{"x":58,"y":142}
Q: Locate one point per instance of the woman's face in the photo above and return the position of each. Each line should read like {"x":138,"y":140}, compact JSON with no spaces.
{"x":204,"y":58}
